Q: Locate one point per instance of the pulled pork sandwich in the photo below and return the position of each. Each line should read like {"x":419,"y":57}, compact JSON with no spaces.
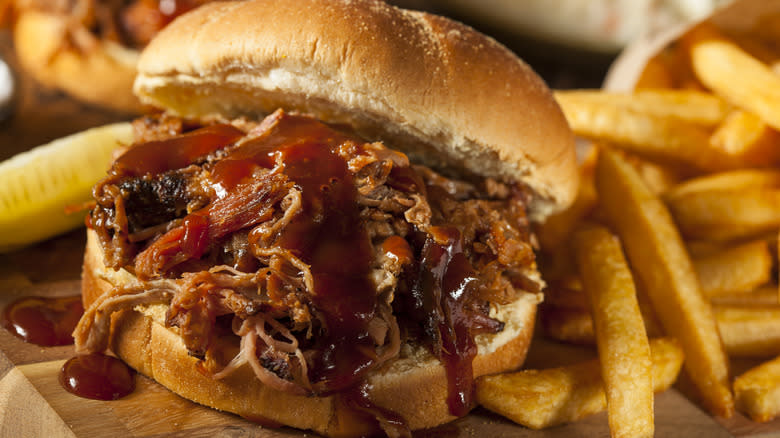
{"x":89,"y":48}
{"x":329,"y":227}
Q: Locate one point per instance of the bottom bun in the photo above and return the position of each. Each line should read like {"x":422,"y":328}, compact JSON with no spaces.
{"x":102,"y":75}
{"x":413,"y":386}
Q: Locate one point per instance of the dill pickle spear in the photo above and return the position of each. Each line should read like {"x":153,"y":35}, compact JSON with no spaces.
{"x":37,"y":186}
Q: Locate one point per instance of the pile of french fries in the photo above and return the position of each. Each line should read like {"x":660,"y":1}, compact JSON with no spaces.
{"x":669,"y":254}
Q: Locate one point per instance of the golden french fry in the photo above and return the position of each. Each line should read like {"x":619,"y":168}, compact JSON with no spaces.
{"x":735,"y":180}
{"x":657,"y":177}
{"x":544,"y":398}
{"x":670,"y":68}
{"x":656,"y":138}
{"x":621,"y":339}
{"x":736,"y":269}
{"x":573,"y":325}
{"x":570,"y":325}
{"x":556,"y":228}
{"x":749,"y":331}
{"x":740,"y":78}
{"x":661,"y":263}
{"x":748,"y":140}
{"x":762,"y":296}
{"x":701,"y":248}
{"x":727,"y":205}
{"x":726,"y":215}
{"x":691,"y":106}
{"x":657,"y":74}
{"x":757,"y":391}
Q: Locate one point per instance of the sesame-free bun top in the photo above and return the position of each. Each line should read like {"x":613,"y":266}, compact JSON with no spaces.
{"x":438,"y":90}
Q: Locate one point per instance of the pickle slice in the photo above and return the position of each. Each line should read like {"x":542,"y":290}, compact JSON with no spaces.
{"x":37,"y":186}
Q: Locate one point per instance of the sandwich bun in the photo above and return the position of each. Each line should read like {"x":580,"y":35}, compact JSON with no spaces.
{"x":445,"y":95}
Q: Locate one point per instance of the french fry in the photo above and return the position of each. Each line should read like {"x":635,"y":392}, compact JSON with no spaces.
{"x":661,"y":263}
{"x":702,"y":248}
{"x":737,"y":76}
{"x":570,"y":325}
{"x":670,"y":68}
{"x":736,"y":269}
{"x":664,"y":139}
{"x":735,"y":180}
{"x":748,"y":140}
{"x":691,"y":106}
{"x":657,"y":177}
{"x":757,"y":391}
{"x":542,"y":398}
{"x":726,"y":215}
{"x":727,"y":205}
{"x":762,"y":296}
{"x":621,"y":339}
{"x":573,"y":325}
{"x":749,"y":331}
{"x":657,"y":74}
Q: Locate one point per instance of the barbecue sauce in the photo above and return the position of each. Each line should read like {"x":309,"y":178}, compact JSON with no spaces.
{"x":43,"y":321}
{"x":445,"y":281}
{"x":97,"y":376}
{"x":328,"y":235}
{"x":50,"y":322}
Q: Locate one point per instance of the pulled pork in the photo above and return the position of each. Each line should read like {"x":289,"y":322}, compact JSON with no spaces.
{"x":322,"y":253}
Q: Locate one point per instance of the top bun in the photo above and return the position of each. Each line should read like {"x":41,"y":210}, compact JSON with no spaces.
{"x":443,"y":93}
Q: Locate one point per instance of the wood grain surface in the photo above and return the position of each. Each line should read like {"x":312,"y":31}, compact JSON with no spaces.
{"x":33,"y":404}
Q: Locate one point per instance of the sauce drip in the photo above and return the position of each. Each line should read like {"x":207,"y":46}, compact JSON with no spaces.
{"x":44,"y":321}
{"x":97,"y":376}
{"x":444,"y":283}
{"x":366,"y":418}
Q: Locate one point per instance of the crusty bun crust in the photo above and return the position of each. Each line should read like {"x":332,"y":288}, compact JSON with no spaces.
{"x":102,"y":75}
{"x":443,"y":93}
{"x":414,"y":386}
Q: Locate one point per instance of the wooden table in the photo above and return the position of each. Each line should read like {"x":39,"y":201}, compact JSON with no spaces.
{"x":33,"y":404}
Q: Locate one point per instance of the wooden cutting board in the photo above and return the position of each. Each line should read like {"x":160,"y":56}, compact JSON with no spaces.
{"x":33,"y":404}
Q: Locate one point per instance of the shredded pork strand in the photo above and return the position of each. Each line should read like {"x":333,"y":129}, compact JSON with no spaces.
{"x":93,"y":330}
{"x":249,"y":333}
